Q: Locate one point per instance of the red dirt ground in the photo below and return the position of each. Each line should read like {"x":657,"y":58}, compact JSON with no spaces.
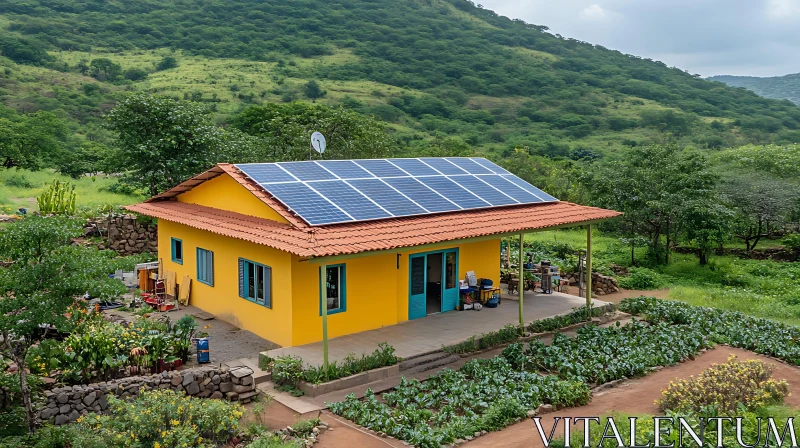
{"x":636,"y":397}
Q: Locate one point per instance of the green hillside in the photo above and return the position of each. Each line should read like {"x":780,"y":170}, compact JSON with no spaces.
{"x":780,"y":87}
{"x":427,"y":67}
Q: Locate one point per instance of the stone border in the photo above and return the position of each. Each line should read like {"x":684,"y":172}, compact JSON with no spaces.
{"x":66,"y":404}
{"x":359,"y":379}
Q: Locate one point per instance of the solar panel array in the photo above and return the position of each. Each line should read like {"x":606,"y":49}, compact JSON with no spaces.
{"x":340,"y":191}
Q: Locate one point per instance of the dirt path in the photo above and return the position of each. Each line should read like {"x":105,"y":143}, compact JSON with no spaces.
{"x":636,"y":397}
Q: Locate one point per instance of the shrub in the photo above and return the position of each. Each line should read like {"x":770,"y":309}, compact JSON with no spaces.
{"x":12,"y":414}
{"x":287,"y":370}
{"x":164,"y":418}
{"x":725,"y":386}
{"x":502,"y":413}
{"x":19,"y":181}
{"x":792,"y":242}
{"x":578,"y":315}
{"x":509,"y":333}
{"x":382,"y":356}
{"x":641,"y":278}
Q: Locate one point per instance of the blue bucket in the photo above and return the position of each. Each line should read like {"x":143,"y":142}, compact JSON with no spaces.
{"x":203,"y":354}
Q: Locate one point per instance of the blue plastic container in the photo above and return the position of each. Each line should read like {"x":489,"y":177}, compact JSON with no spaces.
{"x":203,"y":354}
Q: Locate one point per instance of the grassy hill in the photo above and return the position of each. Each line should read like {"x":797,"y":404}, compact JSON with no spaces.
{"x":427,"y":67}
{"x":780,"y":87}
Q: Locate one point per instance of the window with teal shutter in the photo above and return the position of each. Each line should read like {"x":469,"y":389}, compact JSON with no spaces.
{"x":177,"y":250}
{"x":255,"y":282}
{"x":205,"y":266}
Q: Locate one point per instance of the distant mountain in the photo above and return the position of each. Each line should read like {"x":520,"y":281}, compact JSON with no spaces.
{"x":780,"y":87}
{"x":430,"y":68}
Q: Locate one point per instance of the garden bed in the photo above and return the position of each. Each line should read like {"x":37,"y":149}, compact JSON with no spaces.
{"x":359,"y":379}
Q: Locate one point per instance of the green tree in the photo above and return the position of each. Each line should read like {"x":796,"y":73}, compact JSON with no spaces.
{"x":763,"y":205}
{"x":104,"y":69}
{"x":313,"y":90}
{"x":87,"y":158}
{"x":706,"y":224}
{"x":285,"y":130}
{"x":44,"y":278}
{"x":166,"y":63}
{"x":652,"y":186}
{"x":32,"y":141}
{"x":162,"y":141}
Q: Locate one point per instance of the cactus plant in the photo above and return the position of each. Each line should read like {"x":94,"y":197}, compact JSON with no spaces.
{"x":59,"y":199}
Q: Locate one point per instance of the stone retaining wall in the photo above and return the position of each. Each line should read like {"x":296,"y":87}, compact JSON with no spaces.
{"x":66,"y":404}
{"x":124,"y":234}
{"x":601,"y":284}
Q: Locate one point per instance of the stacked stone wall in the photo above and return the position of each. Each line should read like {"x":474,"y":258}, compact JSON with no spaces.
{"x":66,"y":404}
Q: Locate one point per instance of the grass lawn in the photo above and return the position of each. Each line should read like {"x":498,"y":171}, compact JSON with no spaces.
{"x":767,"y":289}
{"x":19,"y":188}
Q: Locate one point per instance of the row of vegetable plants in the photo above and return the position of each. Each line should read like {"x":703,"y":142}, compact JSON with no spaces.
{"x":511,"y":333}
{"x":99,"y":350}
{"x":599,"y":355}
{"x":483,"y":395}
{"x":763,"y":336}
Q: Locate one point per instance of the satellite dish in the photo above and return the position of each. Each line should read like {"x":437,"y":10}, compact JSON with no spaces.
{"x":318,"y":142}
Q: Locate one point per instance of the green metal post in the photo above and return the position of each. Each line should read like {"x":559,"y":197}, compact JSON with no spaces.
{"x":323,"y":296}
{"x":589,"y":265}
{"x":521,"y":284}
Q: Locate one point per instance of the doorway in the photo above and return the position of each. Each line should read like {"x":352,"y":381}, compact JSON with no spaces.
{"x":433,"y":284}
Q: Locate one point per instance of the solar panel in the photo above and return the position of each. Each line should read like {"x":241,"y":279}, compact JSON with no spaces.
{"x":312,"y":207}
{"x":307,"y":171}
{"x":443,"y":166}
{"x":266,"y":173}
{"x":390,"y":199}
{"x":349,"y":200}
{"x":453,"y":192}
{"x":339,"y":191}
{"x":484,"y":190}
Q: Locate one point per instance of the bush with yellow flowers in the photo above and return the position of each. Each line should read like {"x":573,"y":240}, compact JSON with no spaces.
{"x":725,"y":386}
{"x":164,"y":419}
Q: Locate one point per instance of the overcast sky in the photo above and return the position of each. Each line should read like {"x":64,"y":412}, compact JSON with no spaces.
{"x":709,"y":37}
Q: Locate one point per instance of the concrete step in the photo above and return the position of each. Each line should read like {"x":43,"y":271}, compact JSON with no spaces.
{"x":433,"y":364}
{"x":424,"y":359}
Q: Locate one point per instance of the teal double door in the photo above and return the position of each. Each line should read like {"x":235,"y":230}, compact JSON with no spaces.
{"x":433,"y":282}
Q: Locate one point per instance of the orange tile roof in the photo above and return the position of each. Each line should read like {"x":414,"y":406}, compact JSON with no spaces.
{"x":386,"y":234}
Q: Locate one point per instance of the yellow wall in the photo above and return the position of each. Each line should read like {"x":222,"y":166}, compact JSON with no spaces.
{"x":222,"y":300}
{"x":224,"y":193}
{"x":377,"y":290}
{"x":371,"y":297}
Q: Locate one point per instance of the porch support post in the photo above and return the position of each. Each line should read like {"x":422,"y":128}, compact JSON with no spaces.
{"x":324,"y":306}
{"x":521,"y":284}
{"x":589,"y":265}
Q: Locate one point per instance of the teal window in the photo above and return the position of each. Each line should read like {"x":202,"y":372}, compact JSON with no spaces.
{"x":205,"y":266}
{"x":335,"y":289}
{"x":255,"y":282}
{"x":177,"y":250}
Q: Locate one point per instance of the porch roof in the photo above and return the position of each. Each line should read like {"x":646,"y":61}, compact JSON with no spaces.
{"x":388,"y":234}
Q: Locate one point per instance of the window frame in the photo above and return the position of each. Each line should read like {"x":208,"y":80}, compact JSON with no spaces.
{"x":210,"y":271}
{"x":244,"y":280}
{"x":173,"y":242}
{"x":342,"y":290}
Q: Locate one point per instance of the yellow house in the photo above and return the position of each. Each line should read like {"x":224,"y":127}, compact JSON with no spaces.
{"x":392,"y":236}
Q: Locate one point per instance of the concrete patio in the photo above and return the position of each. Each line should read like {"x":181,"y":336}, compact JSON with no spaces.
{"x":428,"y":334}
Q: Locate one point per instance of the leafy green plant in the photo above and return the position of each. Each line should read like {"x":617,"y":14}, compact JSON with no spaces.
{"x":641,"y":278}
{"x":629,"y":350}
{"x":287,"y":370}
{"x":484,"y":393}
{"x":383,"y":356}
{"x":18,"y":181}
{"x":164,"y":418}
{"x":760,"y":335}
{"x":58,"y":199}
{"x":725,"y":386}
{"x":792,"y":242}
